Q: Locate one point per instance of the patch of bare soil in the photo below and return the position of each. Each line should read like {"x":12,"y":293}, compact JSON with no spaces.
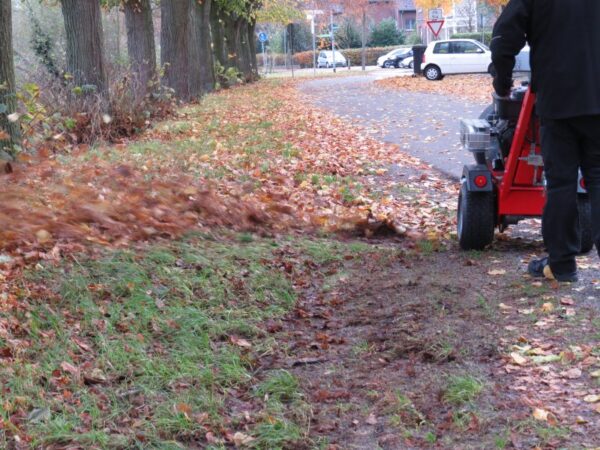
{"x":421,"y":345}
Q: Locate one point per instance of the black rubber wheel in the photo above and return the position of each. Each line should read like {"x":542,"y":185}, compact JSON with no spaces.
{"x":476,"y":219}
{"x":411,"y":65}
{"x":432,"y":73}
{"x":387,"y":64}
{"x":585,"y":223}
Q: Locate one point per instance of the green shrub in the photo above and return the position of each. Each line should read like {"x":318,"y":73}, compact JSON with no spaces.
{"x":354,"y":55}
{"x":414,"y":39}
{"x":487,"y":36}
{"x":386,"y":33}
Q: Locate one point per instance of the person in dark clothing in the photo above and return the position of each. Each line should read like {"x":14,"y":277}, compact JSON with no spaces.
{"x":564,"y":37}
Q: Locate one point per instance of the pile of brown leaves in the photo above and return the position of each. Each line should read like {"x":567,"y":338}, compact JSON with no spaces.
{"x":473,"y":88}
{"x":272,"y":152}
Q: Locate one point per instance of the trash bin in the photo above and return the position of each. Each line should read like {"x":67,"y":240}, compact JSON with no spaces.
{"x":418,"y":52}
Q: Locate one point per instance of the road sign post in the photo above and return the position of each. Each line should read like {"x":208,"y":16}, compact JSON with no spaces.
{"x":435,"y":26}
{"x":263,"y":37}
{"x":311,"y":15}
{"x":436,"y":14}
{"x":333,"y":42}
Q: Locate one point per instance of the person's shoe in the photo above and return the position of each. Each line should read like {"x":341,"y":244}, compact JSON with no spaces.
{"x":539,"y":268}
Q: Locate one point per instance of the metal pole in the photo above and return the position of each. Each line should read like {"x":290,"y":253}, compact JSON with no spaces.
{"x":264,"y":56}
{"x":291,"y":43}
{"x":333,"y":43}
{"x":285,"y":49}
{"x":314,"y":39}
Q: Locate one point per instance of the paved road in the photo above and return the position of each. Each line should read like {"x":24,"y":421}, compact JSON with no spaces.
{"x":423,"y":125}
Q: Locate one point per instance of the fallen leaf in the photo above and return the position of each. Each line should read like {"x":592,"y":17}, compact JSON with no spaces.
{"x":545,"y":359}
{"x":371,"y":420}
{"x":43,"y":236}
{"x":240,"y":342}
{"x":240,"y":439}
{"x":70,"y":368}
{"x":497,"y":272}
{"x":547,"y":307}
{"x":572,"y":374}
{"x":568,"y":301}
{"x":38,"y":415}
{"x":592,"y":398}
{"x":540,"y":414}
{"x":518,"y":359}
{"x":183,"y":408}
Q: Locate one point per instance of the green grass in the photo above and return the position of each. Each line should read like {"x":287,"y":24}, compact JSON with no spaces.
{"x":168,"y":333}
{"x":461,"y":389}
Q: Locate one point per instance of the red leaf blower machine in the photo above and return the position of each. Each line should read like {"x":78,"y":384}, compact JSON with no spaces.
{"x":507,"y":183}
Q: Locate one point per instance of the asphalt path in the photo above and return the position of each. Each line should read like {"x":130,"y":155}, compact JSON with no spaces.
{"x":422,"y":125}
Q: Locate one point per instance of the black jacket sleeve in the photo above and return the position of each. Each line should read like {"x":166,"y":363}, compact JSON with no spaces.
{"x":509,"y":37}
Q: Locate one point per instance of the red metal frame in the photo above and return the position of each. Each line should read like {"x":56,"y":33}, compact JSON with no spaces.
{"x":520,"y":192}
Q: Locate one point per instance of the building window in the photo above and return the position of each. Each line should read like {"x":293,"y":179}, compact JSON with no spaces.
{"x":410,"y":24}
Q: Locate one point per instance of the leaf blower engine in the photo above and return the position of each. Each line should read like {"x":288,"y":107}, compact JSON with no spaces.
{"x":507,"y":183}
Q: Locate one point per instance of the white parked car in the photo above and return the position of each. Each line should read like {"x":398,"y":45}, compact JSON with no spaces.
{"x":463,"y":56}
{"x":326,"y":59}
{"x":455,"y":56}
{"x":408,"y":62}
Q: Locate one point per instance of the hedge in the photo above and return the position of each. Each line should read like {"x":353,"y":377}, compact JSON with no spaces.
{"x":487,"y":36}
{"x":354,"y":55}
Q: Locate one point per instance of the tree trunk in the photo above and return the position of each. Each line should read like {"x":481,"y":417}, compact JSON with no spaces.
{"x":140,"y":41}
{"x":231,"y":40}
{"x":241,"y":49}
{"x":202,"y":75}
{"x":175,"y":45}
{"x":9,"y":130}
{"x":85,"y":49}
{"x":217,"y":28}
{"x":252,"y":48}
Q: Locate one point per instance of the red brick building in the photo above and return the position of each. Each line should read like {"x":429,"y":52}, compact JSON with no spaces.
{"x":403,"y":12}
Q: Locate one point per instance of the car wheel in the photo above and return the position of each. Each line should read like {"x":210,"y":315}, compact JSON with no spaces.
{"x":387,"y":64}
{"x":411,"y":65}
{"x":327,"y":65}
{"x":433,"y":73}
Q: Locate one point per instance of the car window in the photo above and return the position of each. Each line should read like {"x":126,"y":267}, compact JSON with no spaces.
{"x":465,"y":47}
{"x":442,"y":47}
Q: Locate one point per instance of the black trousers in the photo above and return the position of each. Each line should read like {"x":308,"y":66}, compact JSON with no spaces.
{"x":567,"y":145}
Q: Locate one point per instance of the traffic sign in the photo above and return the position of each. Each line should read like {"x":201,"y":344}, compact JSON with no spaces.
{"x":435,"y":26}
{"x":262,"y":37}
{"x":436,"y":14}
